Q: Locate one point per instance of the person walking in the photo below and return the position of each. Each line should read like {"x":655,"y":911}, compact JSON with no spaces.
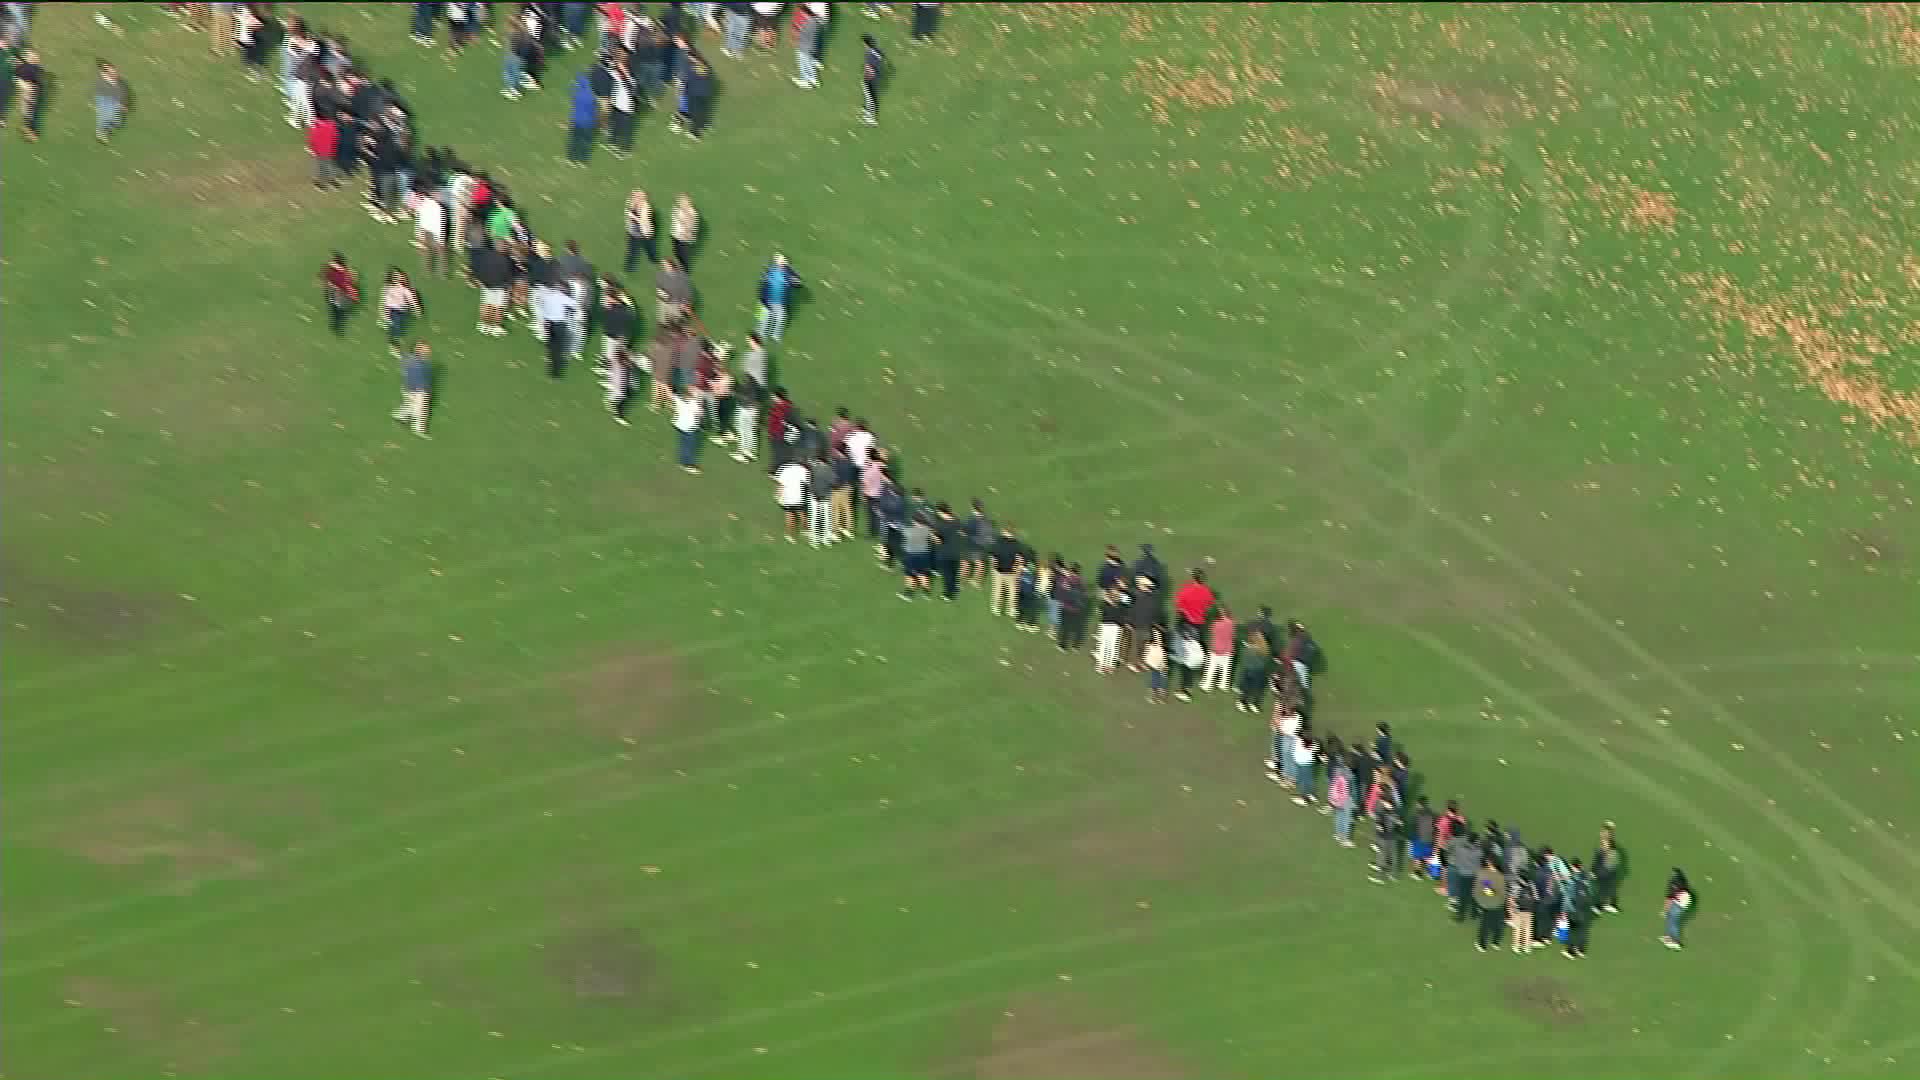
{"x":1678,"y":905}
{"x":686,"y":427}
{"x":673,"y":291}
{"x":341,"y":288}
{"x":516,"y":57}
{"x":576,"y":276}
{"x":553,"y":316}
{"x":623,"y":103}
{"x":109,"y":101}
{"x":683,"y":228}
{"x":1220,"y":637}
{"x":617,"y":324}
{"x":399,"y":303}
{"x":873,"y":68}
{"x":819,"y":490}
{"x":1490,"y":898}
{"x":777,"y":284}
{"x":416,"y":387}
{"x":323,"y":142}
{"x":583,"y":121}
{"x":638,"y":215}
{"x":809,"y":30}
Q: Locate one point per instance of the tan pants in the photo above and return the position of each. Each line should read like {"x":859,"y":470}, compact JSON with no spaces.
{"x":222,"y":31}
{"x":841,"y":504}
{"x":413,"y":410}
{"x":1004,"y":592}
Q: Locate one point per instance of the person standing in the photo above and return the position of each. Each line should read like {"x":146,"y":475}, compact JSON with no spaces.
{"x":1463,"y":856}
{"x":1579,"y":912}
{"x":790,"y":491}
{"x":819,"y":490}
{"x":926,"y":19}
{"x":1422,"y":830}
{"x":696,"y":87}
{"x":683,"y":228}
{"x":809,"y":30}
{"x":341,"y":289}
{"x":221,"y":28}
{"x":1004,"y":556}
{"x":493,"y":272}
{"x":1070,"y":591}
{"x":553,"y":313}
{"x":297,"y":70}
{"x":1189,"y":656}
{"x":1340,"y":800}
{"x":1608,"y":864}
{"x":686,"y":427}
{"x":1678,"y":905}
{"x":583,"y":121}
{"x":916,"y":557}
{"x":639,"y":225}
{"x":1521,"y":901}
{"x":399,"y":303}
{"x":430,"y":231}
{"x":950,"y":550}
{"x":617,"y":324}
{"x":416,"y":386}
{"x":749,"y":394}
{"x":777,"y":284}
{"x":424,"y":18}
{"x":1115,"y":608}
{"x":1389,"y":845}
{"x":1255,"y":673}
{"x":623,"y":101}
{"x":1194,"y":601}
{"x":616,"y":378}
{"x":1153,"y":657}
{"x":1490,"y":898}
{"x":515,"y":59}
{"x":674,"y":292}
{"x":1220,"y":637}
{"x":576,"y":276}
{"x":873,"y":68}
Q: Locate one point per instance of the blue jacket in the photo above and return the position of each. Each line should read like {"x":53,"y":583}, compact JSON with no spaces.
{"x":585,"y":111}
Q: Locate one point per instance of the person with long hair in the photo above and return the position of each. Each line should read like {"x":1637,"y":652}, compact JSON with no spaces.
{"x":1678,"y":905}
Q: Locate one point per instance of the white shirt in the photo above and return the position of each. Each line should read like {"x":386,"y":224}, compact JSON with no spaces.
{"x":432,"y":217}
{"x":793,"y":483}
{"x":1300,"y":672}
{"x":686,"y":413}
{"x":1303,"y":752}
{"x":1290,"y":724}
{"x":622,"y":94}
{"x":552,"y":304}
{"x":767,"y":11}
{"x":859,"y":446}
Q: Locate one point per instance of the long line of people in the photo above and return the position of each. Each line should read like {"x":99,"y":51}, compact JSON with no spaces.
{"x":832,"y":479}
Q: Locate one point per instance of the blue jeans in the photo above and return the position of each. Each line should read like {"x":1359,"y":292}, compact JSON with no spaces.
{"x":514,"y":70}
{"x":423,"y":19}
{"x":107,"y":115}
{"x":397,"y":320}
{"x":1343,"y":823}
{"x":689,"y":446}
{"x":1157,"y":681}
{"x":1674,"y":915}
{"x":808,"y":65}
{"x":1053,"y":614}
{"x":773,"y":321}
{"x":737,"y":26}
{"x":579,"y":143}
{"x":573,"y":17}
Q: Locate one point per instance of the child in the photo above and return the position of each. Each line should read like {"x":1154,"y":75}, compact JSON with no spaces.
{"x":342,"y":290}
{"x":398,"y":305}
{"x":1340,"y":799}
{"x":1154,"y":659}
{"x":1679,"y":902}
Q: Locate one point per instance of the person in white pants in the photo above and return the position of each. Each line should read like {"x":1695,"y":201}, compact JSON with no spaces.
{"x":1106,"y":641}
{"x":1219,"y":668}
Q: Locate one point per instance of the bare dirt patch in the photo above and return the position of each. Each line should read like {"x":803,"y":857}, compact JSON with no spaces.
{"x":229,"y":183}
{"x":155,"y":1025}
{"x":1873,"y":546}
{"x":629,"y":695}
{"x":165,"y":828}
{"x":612,"y":965}
{"x":83,"y":615}
{"x":1057,"y":1037}
{"x":1543,"y":998}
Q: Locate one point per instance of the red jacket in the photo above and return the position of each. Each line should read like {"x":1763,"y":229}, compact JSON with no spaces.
{"x":1193,"y":601}
{"x":323,"y":138}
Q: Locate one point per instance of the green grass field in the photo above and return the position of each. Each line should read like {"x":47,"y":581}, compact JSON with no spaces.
{"x":1555,"y":364}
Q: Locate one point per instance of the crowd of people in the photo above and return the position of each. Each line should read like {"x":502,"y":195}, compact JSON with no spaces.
{"x":835,"y":478}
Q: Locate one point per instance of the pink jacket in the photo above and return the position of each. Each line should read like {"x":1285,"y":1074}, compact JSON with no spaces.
{"x":1220,"y":637}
